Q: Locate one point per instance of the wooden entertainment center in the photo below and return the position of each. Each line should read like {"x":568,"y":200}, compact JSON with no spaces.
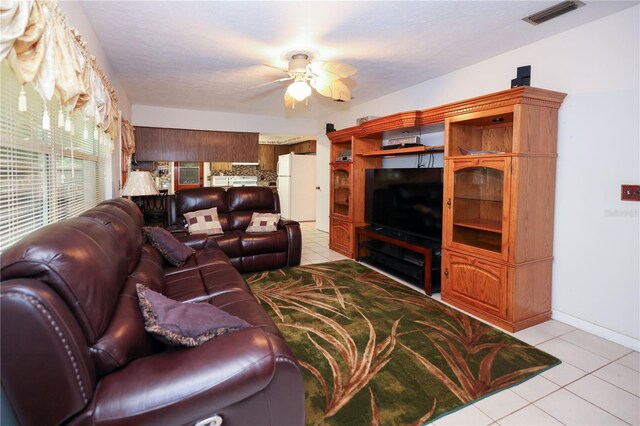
{"x":498,"y":198}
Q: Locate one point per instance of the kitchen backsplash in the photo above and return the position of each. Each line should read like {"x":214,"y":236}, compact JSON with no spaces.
{"x":246,"y":171}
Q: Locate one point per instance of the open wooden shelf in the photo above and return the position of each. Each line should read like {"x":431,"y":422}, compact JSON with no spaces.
{"x":414,"y":150}
{"x":483,"y":225}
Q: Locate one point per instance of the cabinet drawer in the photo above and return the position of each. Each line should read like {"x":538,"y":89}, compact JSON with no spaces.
{"x":341,"y":236}
{"x":479,"y":284}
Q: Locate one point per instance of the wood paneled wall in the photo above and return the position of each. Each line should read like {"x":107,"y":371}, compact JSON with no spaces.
{"x":158,"y":144}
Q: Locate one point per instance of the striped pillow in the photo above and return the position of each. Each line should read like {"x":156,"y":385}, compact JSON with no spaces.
{"x":204,"y":221}
{"x":264,"y":222}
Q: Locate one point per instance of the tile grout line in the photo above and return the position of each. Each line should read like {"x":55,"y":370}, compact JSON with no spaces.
{"x":601,"y":408}
{"x":530,"y":404}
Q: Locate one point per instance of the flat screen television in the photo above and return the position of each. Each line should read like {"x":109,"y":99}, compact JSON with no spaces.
{"x":405,"y":200}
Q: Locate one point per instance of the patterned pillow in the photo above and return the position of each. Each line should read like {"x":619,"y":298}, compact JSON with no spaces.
{"x":173,"y":250}
{"x":264,"y":222}
{"x":204,"y":221}
{"x":186,"y":324}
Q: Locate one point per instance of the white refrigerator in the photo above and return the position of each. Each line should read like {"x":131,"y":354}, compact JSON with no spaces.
{"x":297,"y":186}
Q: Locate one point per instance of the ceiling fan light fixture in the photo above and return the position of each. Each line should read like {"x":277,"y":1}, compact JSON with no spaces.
{"x":300,"y":90}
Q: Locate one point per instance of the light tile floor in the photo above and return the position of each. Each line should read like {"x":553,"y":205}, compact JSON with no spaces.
{"x":598,"y":382}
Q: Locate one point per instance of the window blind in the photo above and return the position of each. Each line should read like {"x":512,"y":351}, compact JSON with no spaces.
{"x":46,"y":175}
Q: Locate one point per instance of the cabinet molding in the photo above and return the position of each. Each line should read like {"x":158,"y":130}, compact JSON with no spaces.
{"x":525,"y":95}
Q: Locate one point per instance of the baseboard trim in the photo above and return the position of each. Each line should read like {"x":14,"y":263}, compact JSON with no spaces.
{"x":599,"y":331}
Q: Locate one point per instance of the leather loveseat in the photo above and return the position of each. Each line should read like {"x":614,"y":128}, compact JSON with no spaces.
{"x":247,"y":251}
{"x":75,"y":350}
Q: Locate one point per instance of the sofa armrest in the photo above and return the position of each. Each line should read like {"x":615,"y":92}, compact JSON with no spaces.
{"x":294,"y":241}
{"x":184,"y":385}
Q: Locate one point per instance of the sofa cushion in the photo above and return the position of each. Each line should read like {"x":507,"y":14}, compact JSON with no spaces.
{"x":123,"y":226}
{"x":191,"y":200}
{"x":81,"y":260}
{"x":128,"y":207}
{"x":263,"y":242}
{"x":230,"y":242}
{"x":171,"y":249}
{"x":125,"y":338}
{"x":252,"y":199}
{"x":186,"y":324}
{"x":204,"y":221}
{"x":263,"y":222}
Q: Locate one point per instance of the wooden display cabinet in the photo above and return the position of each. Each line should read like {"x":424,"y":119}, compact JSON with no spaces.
{"x":498,"y":210}
{"x":498,"y":202}
{"x":347,"y":190}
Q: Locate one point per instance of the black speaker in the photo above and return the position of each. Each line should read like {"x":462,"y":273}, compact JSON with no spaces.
{"x":523,"y":77}
{"x":330,"y":128}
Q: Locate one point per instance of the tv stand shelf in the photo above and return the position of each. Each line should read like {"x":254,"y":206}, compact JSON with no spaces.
{"x":409,"y":259}
{"x":416,"y":150}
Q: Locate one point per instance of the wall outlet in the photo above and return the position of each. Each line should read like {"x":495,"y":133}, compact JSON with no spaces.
{"x":630,"y":193}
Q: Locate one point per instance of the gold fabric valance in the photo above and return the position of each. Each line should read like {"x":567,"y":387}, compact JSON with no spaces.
{"x":43,"y":50}
{"x":128,"y":138}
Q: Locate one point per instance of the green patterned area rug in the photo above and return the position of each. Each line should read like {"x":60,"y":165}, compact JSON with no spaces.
{"x":376,"y":352}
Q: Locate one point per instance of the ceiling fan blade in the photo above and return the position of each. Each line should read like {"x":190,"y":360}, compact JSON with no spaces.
{"x":289,"y":101}
{"x":277,"y":68}
{"x":334,"y":89}
{"x":332,"y":70}
{"x":322,"y":86}
{"x":274,"y":81}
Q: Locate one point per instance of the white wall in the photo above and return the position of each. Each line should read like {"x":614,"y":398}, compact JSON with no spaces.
{"x":596,"y":270}
{"x":176,"y":118}
{"x":78,"y":19}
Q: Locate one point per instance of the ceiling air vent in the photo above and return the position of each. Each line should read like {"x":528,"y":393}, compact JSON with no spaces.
{"x":553,"y":12}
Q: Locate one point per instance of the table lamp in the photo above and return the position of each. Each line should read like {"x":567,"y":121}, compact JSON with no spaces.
{"x":138,"y":185}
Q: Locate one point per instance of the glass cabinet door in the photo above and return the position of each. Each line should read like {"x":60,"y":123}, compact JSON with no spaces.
{"x":341,"y":193}
{"x":188,"y":173}
{"x":478,"y":206}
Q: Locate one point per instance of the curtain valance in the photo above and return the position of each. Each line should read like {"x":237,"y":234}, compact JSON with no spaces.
{"x":128,"y":138}
{"x":44,"y":50}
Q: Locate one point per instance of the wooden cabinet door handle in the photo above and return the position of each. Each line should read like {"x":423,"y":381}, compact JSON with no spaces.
{"x":449,"y":203}
{"x":446,"y":272}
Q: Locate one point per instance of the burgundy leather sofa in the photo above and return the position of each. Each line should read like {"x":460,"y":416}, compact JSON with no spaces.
{"x":247,"y":251}
{"x":74,"y":348}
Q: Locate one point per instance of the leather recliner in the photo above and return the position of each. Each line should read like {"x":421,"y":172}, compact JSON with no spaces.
{"x":75,"y":351}
{"x":248,"y":251}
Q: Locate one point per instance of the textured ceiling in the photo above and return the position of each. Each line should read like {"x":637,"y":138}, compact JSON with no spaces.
{"x":207,"y":55}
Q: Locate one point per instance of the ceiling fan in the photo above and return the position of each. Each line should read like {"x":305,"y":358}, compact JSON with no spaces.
{"x":323,"y":76}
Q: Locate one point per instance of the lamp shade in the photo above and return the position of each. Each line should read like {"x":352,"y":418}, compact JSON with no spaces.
{"x":139,"y":183}
{"x":300,"y":90}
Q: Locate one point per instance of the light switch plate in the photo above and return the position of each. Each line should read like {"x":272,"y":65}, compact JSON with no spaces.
{"x":630,"y":193}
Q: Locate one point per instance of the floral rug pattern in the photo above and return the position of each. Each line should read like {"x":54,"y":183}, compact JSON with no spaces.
{"x":376,"y":352}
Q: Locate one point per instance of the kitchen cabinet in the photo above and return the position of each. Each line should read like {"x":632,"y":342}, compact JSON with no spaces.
{"x":306,"y":147}
{"x":160,"y":144}
{"x":267,"y":157}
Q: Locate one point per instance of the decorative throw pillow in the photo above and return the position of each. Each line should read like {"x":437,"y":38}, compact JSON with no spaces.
{"x":173,"y":250}
{"x":264,"y":222}
{"x":186,"y":324}
{"x":206,"y":221}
